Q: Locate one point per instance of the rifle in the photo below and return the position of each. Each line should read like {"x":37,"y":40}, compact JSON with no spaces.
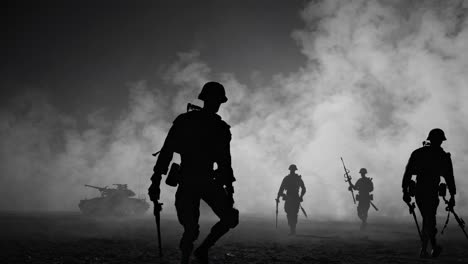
{"x":192,"y":107}
{"x":277,"y":202}
{"x":348,"y":179}
{"x":373,"y":205}
{"x":157,"y":216}
{"x":412,"y":206}
{"x":449,"y":209}
{"x":303,"y":211}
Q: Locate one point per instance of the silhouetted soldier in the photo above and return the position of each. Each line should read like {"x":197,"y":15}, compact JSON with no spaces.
{"x":365,"y":186}
{"x":201,"y":138}
{"x":428,"y":164}
{"x":291,"y":184}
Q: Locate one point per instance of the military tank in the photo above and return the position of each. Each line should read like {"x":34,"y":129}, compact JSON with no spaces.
{"x":113,"y":202}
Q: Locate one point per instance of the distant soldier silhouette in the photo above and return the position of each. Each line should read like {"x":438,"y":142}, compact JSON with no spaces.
{"x":429,"y":163}
{"x":202,"y":139}
{"x":291,"y":184}
{"x":364,"y":186}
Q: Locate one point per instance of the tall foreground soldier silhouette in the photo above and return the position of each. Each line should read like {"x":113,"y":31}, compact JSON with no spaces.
{"x":429,"y":163}
{"x":291,"y":184}
{"x":202,"y":139}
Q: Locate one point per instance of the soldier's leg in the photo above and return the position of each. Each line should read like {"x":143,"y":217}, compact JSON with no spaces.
{"x":432,"y":223}
{"x":221,"y":204}
{"x":428,"y":207}
{"x":363,"y":209}
{"x":359,"y":211}
{"x":292,"y":209}
{"x":295,"y":214}
{"x":289,"y":214}
{"x":293,"y":223}
{"x":423,"y":203}
{"x":188,"y":212}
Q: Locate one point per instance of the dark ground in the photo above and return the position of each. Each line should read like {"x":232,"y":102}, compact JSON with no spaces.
{"x":72,"y":238}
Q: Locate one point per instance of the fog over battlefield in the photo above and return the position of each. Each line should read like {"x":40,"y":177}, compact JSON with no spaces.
{"x":379,"y":75}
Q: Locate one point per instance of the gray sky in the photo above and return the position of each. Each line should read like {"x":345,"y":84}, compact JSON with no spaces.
{"x":91,"y":92}
{"x":83,"y":54}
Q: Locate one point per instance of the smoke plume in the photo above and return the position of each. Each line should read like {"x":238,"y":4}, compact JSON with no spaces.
{"x":379,"y":75}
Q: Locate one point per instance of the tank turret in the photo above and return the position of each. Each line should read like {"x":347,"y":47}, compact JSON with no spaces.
{"x":103,"y":190}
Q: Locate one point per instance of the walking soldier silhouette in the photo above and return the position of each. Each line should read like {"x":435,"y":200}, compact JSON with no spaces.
{"x":202,"y":139}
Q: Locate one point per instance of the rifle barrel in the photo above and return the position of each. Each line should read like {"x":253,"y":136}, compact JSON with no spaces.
{"x":460,"y":221}
{"x":348,"y":179}
{"x":304,"y":212}
{"x":157,"y":216}
{"x":277,"y":202}
{"x":412,"y":207}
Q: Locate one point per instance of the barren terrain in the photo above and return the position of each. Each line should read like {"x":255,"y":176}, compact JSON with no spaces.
{"x":73,"y":238}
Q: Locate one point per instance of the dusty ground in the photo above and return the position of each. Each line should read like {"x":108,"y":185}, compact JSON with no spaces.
{"x":72,"y":238}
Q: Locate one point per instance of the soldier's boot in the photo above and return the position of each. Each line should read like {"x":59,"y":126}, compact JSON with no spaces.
{"x":186,"y":252}
{"x":202,"y":255}
{"x":218,"y":230}
{"x":436,"y":249}
{"x":423,"y":253}
{"x":186,"y":244}
{"x":185,"y":257}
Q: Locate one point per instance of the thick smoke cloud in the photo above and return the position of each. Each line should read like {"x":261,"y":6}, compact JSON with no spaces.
{"x":379,"y":76}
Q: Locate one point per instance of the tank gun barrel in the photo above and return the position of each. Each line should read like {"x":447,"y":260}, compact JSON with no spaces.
{"x":95,"y":187}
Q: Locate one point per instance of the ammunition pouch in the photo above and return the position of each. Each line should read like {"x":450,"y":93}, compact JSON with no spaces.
{"x":173,"y":177}
{"x":442,"y":190}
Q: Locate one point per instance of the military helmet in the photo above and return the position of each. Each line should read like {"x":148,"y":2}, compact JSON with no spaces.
{"x":363,"y":170}
{"x":213,"y":91}
{"x":292,"y":167}
{"x":436,"y":134}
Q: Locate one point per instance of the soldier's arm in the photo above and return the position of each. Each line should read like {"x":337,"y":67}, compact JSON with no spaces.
{"x":224,"y":158}
{"x":409,"y":172}
{"x":449,"y":177}
{"x":303,"y":188}
{"x":371,"y":186}
{"x":354,"y":186}
{"x":167,"y":152}
{"x":281,"y":189}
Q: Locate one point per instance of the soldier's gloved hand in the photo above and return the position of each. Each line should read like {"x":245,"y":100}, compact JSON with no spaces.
{"x":451,"y":202}
{"x":154,"y":192}
{"x":406,"y":197}
{"x":301,"y":199}
{"x":350,"y":188}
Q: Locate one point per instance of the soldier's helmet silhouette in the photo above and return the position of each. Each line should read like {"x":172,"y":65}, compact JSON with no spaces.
{"x":292,"y":167}
{"x":436,"y":134}
{"x":213,"y":91}
{"x":363,"y":170}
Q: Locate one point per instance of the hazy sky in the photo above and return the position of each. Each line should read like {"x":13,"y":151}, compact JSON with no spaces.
{"x":89,"y":92}
{"x":85,"y":53}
